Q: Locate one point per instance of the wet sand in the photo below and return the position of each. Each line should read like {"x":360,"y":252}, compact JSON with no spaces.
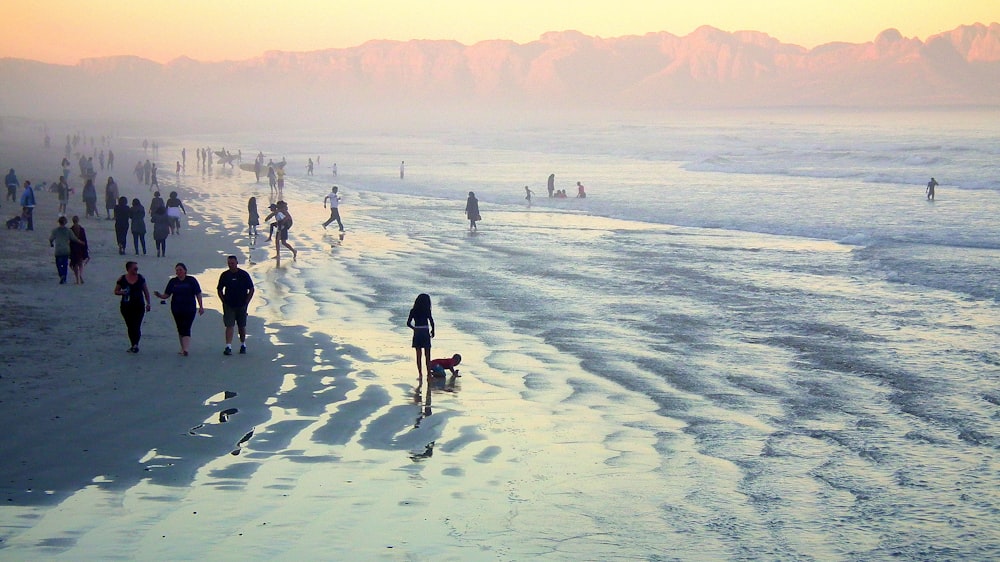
{"x":315,"y":445}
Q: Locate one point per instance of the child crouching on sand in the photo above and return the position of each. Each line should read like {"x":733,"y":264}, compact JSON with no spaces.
{"x":437,"y":367}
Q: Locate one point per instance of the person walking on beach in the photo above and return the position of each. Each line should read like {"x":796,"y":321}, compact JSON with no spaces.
{"x":402,"y":169}
{"x":930,"y":189}
{"x":283,"y":220}
{"x":137,"y":216}
{"x":12,"y":184}
{"x":174,"y":210}
{"x":161,"y":230}
{"x":122,"y":219}
{"x":155,"y":203}
{"x":334,"y":198}
{"x":135,"y":302}
{"x":472,"y":211}
{"x":551,"y":185}
{"x":62,"y":192}
{"x":527,"y":194}
{"x":79,"y":253}
{"x":421,"y":321}
{"x":235,"y":290}
{"x":90,"y":199}
{"x":28,"y":206}
{"x":110,"y":196}
{"x":60,"y":239}
{"x":253,"y":218}
{"x":111,"y":160}
{"x":309,"y":167}
{"x":153,"y":183}
{"x":581,"y":192}
{"x":184,"y":292}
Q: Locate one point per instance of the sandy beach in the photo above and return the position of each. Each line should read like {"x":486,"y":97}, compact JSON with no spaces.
{"x":81,"y":405}
{"x":743,"y":368}
{"x":306,"y":446}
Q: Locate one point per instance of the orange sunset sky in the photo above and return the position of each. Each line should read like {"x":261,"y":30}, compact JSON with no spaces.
{"x":64,"y":31}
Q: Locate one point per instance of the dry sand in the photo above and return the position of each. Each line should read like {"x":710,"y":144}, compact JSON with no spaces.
{"x":74,"y":403}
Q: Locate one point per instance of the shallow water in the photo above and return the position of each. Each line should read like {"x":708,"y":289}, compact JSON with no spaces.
{"x":753,"y":340}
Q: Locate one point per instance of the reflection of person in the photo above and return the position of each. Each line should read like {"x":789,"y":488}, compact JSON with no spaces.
{"x":184,"y":292}
{"x":132,"y":288}
{"x":79,"y":253}
{"x":235,"y":290}
{"x":334,"y":200}
{"x":421,"y":322}
{"x":60,"y":239}
{"x":930,"y":189}
{"x":472,"y":210}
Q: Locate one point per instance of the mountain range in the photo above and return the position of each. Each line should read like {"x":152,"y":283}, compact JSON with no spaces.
{"x":708,"y":68}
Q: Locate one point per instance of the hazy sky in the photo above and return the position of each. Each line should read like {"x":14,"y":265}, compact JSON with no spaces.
{"x":64,"y":31}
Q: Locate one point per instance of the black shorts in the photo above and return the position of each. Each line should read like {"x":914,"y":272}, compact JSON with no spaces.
{"x":234,"y":316}
{"x":422,"y":338}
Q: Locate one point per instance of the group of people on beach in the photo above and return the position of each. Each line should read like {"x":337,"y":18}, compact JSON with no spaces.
{"x":235,"y":290}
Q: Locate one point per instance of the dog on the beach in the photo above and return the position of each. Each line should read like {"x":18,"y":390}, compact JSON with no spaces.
{"x":14,"y":223}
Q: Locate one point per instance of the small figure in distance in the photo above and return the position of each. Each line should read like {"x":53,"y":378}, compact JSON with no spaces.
{"x":472,"y":211}
{"x":527,"y":194}
{"x":437,"y":367}
{"x":581,"y":193}
{"x":930,"y":189}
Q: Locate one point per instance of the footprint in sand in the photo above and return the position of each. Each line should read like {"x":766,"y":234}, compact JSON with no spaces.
{"x":488,"y":454}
